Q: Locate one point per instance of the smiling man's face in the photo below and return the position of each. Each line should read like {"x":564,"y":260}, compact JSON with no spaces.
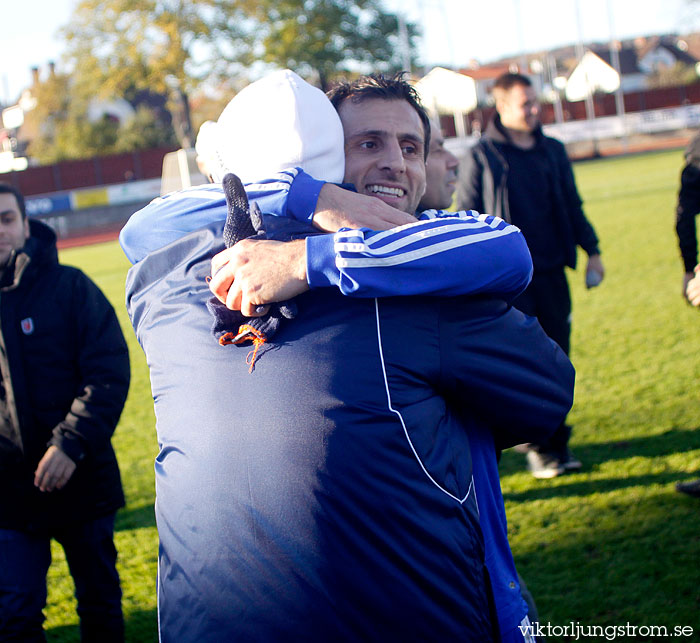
{"x":384,"y":150}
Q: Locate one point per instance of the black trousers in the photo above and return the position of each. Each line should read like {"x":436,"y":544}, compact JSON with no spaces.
{"x":548,"y":298}
{"x":91,"y":557}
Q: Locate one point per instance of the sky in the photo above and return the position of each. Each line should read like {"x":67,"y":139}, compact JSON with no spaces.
{"x":455,"y":31}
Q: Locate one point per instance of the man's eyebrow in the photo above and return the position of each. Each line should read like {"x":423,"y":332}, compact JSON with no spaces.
{"x":7,"y":212}
{"x":380,"y":132}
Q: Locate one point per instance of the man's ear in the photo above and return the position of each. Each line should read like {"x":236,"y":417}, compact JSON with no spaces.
{"x":499,"y":97}
{"x":26,"y":228}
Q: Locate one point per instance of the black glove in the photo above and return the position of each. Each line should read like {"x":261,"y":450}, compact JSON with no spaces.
{"x":231,"y":326}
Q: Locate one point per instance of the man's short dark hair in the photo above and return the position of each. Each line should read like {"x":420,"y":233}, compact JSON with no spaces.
{"x":509,"y":80}
{"x":379,"y":86}
{"x":6,"y":188}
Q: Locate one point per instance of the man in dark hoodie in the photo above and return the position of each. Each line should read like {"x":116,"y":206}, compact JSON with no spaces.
{"x":517,"y":173}
{"x":65,"y":375}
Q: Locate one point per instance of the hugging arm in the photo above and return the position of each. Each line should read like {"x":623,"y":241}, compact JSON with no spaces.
{"x":443,"y":254}
{"x":501,"y":365}
{"x":291,"y":193}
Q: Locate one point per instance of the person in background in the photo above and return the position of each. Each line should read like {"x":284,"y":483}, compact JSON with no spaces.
{"x":65,"y":377}
{"x":686,"y":212}
{"x":517,"y":173}
{"x":440,"y":173}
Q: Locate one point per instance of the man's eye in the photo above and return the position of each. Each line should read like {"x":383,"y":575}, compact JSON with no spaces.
{"x":410,"y":149}
{"x":368,"y":145}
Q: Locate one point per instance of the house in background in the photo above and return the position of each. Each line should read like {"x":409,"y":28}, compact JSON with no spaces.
{"x":595,"y":73}
{"x":640,"y":62}
{"x":448,"y":93}
{"x":663,"y":52}
{"x":484,"y":77}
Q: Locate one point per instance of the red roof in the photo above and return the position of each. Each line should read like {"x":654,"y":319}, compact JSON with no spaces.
{"x":486,"y":72}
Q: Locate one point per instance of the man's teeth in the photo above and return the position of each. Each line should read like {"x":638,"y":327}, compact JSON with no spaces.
{"x":383,"y":189}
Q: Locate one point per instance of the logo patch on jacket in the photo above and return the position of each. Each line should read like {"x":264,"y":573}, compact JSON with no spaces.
{"x":27,"y":326}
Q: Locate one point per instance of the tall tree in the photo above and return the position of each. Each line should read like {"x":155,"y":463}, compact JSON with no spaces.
{"x":166,"y":46}
{"x":175,"y":45}
{"x":60,"y":127}
{"x":327,"y":37}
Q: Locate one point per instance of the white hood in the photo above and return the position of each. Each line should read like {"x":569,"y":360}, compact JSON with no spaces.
{"x":275,"y":123}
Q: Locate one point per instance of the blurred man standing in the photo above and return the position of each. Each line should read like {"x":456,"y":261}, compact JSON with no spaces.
{"x":65,"y":375}
{"x":687,"y":210}
{"x":440,"y":173}
{"x":517,"y":173}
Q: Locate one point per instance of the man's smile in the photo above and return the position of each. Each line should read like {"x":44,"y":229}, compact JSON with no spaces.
{"x":385,"y":190}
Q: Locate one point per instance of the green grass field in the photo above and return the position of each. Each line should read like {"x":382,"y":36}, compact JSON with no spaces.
{"x":612,"y":545}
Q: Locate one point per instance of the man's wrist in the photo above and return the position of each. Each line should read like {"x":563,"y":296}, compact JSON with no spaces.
{"x":68,"y":445}
{"x":303,"y":197}
{"x":321,"y":270}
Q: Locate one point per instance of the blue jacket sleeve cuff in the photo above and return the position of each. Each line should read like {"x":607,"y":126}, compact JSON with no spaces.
{"x":321,"y":270}
{"x":302,"y":197}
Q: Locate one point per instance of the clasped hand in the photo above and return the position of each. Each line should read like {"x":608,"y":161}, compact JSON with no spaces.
{"x":257,"y":272}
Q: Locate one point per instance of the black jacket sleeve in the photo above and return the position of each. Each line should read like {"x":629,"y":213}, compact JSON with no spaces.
{"x":104,"y":374}
{"x":584,"y":234}
{"x":688,"y":208}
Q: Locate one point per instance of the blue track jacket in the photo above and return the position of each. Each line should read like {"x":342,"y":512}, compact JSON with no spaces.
{"x":329,"y":494}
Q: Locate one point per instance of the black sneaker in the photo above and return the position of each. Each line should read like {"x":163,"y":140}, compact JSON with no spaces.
{"x":544,"y":465}
{"x":692,"y":488}
{"x":569,"y":461}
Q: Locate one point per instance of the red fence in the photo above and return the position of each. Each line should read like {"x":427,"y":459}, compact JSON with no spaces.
{"x":102,"y":170}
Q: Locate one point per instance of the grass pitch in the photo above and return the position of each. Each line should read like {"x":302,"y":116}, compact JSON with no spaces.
{"x":610,"y":546}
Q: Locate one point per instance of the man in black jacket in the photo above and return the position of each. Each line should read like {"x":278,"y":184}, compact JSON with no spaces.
{"x":687,"y":210}
{"x":65,"y":376}
{"x":519,"y":174}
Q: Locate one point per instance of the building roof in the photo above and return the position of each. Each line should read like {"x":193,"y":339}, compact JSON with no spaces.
{"x":628,"y":59}
{"x":487,"y":72}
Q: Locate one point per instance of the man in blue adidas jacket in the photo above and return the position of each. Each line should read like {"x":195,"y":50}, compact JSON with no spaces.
{"x":453,"y":495}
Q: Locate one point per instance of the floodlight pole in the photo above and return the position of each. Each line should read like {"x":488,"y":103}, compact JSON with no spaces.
{"x":590,"y":109}
{"x":405,"y":45}
{"x":619,"y":95}
{"x":521,"y":40}
{"x":558,"y":111}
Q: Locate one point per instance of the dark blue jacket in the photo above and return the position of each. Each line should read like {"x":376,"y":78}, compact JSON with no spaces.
{"x":328,"y":495}
{"x":64,"y":377}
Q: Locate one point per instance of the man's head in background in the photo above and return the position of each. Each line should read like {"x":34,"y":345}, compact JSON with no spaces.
{"x":440,"y":173}
{"x":14,"y":225}
{"x":516,"y":102}
{"x":387,"y":137}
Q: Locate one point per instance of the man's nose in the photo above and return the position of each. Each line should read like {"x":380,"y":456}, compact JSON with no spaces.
{"x":452,"y":161}
{"x":392,"y":158}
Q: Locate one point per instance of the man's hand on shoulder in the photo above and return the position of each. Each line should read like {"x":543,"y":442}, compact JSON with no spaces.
{"x":253,"y":273}
{"x":54,"y":470}
{"x":339,"y":208}
{"x":692,"y":288}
